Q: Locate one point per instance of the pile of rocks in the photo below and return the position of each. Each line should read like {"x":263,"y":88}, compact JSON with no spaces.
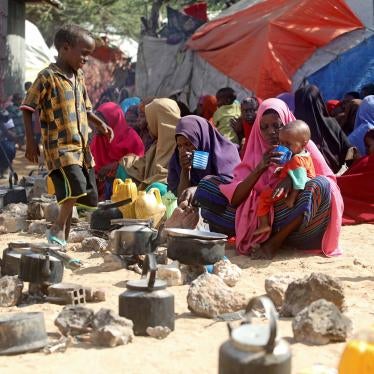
{"x":316,"y":302}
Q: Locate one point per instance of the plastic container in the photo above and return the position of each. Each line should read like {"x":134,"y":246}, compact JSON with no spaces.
{"x":123,"y":191}
{"x":286,"y":154}
{"x":200,"y":160}
{"x":149,"y":205}
{"x":170,"y":202}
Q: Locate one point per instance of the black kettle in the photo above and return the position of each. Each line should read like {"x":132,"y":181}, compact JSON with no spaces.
{"x":254,"y":348}
{"x":137,"y":237}
{"x":146,"y":301}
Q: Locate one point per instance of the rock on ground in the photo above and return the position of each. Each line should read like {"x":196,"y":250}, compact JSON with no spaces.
{"x":158,"y":332}
{"x":13,"y":223}
{"x":111,"y":262}
{"x":74,"y":320}
{"x":302,"y":292}
{"x":10,"y":290}
{"x":170,"y":273}
{"x":191,"y":272}
{"x":35,"y":211}
{"x":51,"y":211}
{"x":110,"y":329}
{"x":78,"y":236}
{"x":228,"y":272}
{"x":94,"y":295}
{"x":276,"y":286}
{"x":209,"y":296}
{"x":321,"y":323}
{"x":38,"y":227}
{"x":17,"y":210}
{"x":94,"y":244}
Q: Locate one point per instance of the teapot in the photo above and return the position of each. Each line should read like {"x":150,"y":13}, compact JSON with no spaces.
{"x":136,"y":238}
{"x":255,"y":348}
{"x":149,"y":205}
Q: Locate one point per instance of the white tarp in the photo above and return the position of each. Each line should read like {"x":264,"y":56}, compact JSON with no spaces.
{"x":38,"y":55}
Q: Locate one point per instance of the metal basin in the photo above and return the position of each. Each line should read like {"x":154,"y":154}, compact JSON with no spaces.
{"x":22,"y":332}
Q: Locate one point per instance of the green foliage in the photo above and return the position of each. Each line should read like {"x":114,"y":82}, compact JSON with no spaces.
{"x":100,"y":16}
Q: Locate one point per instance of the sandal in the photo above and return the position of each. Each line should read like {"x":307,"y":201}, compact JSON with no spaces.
{"x":52,"y":239}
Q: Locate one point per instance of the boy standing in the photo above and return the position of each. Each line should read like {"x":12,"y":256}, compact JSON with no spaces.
{"x":60,"y":94}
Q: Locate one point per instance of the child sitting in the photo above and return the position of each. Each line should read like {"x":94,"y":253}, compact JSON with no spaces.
{"x":299,"y":168}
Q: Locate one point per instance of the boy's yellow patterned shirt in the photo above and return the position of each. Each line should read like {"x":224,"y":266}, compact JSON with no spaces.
{"x":63,"y":109}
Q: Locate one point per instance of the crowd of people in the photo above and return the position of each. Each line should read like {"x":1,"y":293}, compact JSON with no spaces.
{"x":153,"y":141}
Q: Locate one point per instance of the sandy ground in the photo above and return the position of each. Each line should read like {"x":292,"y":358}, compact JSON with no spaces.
{"x":193,"y":346}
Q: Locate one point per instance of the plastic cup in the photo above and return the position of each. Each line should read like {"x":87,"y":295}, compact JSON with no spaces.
{"x":286,"y":154}
{"x":200,"y":160}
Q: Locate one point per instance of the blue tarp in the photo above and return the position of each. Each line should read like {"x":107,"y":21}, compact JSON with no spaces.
{"x":348,"y":72}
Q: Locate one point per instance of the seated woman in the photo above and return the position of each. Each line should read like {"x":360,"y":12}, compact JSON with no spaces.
{"x":195,"y":133}
{"x":313,"y":223}
{"x":107,"y":155}
{"x":357,"y":187}
{"x":162,"y":116}
{"x":363,"y":123}
{"x":326,"y":132}
{"x":206,"y":107}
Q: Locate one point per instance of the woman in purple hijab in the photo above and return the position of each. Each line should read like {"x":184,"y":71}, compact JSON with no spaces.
{"x":289,"y":99}
{"x":194,"y":133}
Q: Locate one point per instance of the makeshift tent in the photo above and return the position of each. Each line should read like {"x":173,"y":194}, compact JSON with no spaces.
{"x":37,"y":55}
{"x":265,"y":46}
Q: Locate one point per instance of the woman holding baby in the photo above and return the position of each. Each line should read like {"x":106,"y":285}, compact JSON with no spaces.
{"x":309,"y":220}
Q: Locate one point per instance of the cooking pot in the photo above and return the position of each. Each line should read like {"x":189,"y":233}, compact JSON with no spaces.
{"x":22,"y":332}
{"x":39,"y":268}
{"x":136,"y":238}
{"x":146,"y":301}
{"x":194,"y":247}
{"x":10,"y":264}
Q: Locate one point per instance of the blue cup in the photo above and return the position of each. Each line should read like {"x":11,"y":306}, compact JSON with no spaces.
{"x":200,"y":160}
{"x":286,"y":154}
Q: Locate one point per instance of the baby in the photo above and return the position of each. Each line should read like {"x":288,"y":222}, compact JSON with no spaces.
{"x":299,"y":168}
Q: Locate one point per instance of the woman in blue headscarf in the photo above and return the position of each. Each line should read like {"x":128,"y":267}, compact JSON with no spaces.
{"x":364,"y":122}
{"x":130,"y":101}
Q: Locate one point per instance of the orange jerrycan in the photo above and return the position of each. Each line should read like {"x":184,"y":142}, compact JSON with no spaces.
{"x":149,"y":205}
{"x":123,"y":191}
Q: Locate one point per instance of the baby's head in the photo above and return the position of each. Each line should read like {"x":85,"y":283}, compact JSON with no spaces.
{"x":225,"y":96}
{"x":295,"y":136}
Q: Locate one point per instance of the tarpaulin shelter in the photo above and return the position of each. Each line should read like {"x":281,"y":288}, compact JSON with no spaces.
{"x":265,"y":46}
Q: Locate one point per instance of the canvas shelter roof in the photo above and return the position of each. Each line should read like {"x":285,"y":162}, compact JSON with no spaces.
{"x":261,"y":47}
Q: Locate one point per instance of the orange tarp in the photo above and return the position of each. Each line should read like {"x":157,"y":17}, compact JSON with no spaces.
{"x":262,"y":47}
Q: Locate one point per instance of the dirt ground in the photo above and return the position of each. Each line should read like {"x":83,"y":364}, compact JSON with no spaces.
{"x":193,"y":346}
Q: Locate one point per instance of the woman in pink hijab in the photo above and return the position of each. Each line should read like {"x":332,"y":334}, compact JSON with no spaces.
{"x":313,"y":223}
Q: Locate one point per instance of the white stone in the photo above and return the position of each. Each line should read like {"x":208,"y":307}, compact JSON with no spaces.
{"x":276,"y":286}
{"x":228,"y":272}
{"x":209,"y":296}
{"x":171,"y":274}
{"x":13,"y":223}
{"x":38,"y":227}
{"x":10,"y":290}
{"x":158,"y":332}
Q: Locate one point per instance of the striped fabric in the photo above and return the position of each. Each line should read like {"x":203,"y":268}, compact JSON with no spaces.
{"x":215,"y":208}
{"x":314,"y":203}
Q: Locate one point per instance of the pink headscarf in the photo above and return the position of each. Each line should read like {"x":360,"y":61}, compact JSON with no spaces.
{"x":126,"y":140}
{"x":246,"y":218}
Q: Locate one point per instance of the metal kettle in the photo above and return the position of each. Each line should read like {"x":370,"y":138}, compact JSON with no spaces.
{"x":254,"y":348}
{"x":146,"y":301}
{"x":136,"y":238}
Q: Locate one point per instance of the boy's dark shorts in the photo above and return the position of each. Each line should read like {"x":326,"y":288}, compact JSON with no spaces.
{"x":75,"y":182}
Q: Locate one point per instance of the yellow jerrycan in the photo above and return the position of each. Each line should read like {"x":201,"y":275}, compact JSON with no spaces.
{"x":149,"y":205}
{"x":122,"y":191}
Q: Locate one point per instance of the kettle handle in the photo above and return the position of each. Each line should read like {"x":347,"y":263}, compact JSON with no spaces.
{"x":150,"y":266}
{"x":271,"y":314}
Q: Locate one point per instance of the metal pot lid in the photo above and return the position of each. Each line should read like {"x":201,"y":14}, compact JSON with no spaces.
{"x":142,"y":285}
{"x":207,"y":235}
{"x":136,"y":227}
{"x":44,"y":247}
{"x":18,"y":244}
{"x":40,"y":256}
{"x":250,"y":338}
